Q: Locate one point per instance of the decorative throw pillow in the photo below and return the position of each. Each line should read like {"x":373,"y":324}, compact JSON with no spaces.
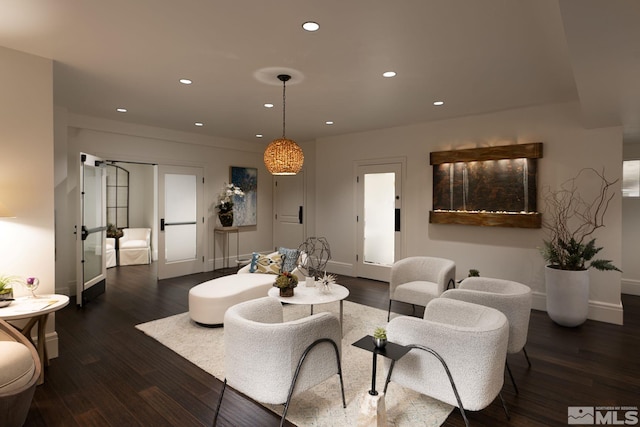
{"x":270,"y":264}
{"x":290,"y":259}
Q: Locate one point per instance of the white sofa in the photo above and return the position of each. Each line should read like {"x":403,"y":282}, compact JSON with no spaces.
{"x":135,"y":246}
{"x":110,"y":252}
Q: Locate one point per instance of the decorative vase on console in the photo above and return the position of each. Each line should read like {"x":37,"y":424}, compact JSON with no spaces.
{"x":225,"y":203}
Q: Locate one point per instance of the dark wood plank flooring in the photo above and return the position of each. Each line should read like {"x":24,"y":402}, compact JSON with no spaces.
{"x":110,"y":374}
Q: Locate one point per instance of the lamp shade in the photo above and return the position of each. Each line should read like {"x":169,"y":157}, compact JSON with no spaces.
{"x":283,"y":157}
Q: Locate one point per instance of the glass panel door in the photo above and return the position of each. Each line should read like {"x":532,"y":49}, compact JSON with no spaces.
{"x":180,"y":191}
{"x":379,"y":189}
{"x":91,"y":270}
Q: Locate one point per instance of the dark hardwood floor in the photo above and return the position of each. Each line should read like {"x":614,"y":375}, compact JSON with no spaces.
{"x":110,"y":374}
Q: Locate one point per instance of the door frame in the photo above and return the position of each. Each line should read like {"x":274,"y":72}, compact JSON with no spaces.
{"x":383,"y":273}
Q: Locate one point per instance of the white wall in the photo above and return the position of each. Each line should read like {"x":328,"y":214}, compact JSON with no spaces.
{"x":26,"y":172}
{"x":136,"y":143}
{"x":496,"y":251}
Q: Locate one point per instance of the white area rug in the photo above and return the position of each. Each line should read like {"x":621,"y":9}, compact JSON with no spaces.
{"x":321,"y":405}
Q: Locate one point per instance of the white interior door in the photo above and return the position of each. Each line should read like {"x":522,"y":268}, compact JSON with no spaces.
{"x":289,"y":210}
{"x":91,"y":229}
{"x":379,"y":219}
{"x":181,"y":237}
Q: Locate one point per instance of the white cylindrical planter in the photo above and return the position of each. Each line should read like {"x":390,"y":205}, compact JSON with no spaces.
{"x":567,"y":296}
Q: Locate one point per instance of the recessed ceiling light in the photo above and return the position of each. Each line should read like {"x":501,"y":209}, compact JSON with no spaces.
{"x":268,"y":105}
{"x":328,"y":122}
{"x":121,"y":110}
{"x":185,"y":81}
{"x":199,"y":124}
{"x":389,"y":74}
{"x":258,"y":135}
{"x":438,"y":103}
{"x":311,"y":26}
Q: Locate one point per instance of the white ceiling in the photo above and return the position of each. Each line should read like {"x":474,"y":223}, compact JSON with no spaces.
{"x":476,"y":55}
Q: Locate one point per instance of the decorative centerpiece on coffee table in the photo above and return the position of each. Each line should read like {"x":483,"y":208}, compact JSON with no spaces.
{"x":6,"y":290}
{"x":286,"y":282}
{"x":325,"y":283}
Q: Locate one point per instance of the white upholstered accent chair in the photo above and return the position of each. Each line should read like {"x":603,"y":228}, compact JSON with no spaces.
{"x":511,"y":298}
{"x":270,"y":360}
{"x":417,"y":280}
{"x":110,"y":252}
{"x":19,"y":373}
{"x":458,"y":353}
{"x":135,"y":246}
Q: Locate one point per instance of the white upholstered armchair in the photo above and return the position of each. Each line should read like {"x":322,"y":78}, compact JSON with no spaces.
{"x":458,"y":353}
{"x":417,"y":280}
{"x":19,"y":372}
{"x":135,"y":246}
{"x":270,"y":360}
{"x":513,"y":299}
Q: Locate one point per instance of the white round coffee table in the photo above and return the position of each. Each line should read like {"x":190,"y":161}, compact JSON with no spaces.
{"x":313,"y":296}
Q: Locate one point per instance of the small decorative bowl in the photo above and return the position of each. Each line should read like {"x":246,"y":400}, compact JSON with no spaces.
{"x":5,"y":302}
{"x":380,"y":342}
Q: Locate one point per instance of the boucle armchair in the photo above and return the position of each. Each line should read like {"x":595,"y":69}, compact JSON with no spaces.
{"x":135,"y":246}
{"x":19,"y":372}
{"x":417,"y":280}
{"x":270,"y":360}
{"x":513,"y":299}
{"x":458,"y":353}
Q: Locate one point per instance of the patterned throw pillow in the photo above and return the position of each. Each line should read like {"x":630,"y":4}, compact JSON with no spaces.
{"x":290,"y":259}
{"x":270,"y":264}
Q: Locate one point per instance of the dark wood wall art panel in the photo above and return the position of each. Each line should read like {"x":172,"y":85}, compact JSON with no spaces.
{"x":494,"y":186}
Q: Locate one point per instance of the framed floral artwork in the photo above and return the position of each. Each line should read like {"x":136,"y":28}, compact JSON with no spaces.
{"x":245,"y":210}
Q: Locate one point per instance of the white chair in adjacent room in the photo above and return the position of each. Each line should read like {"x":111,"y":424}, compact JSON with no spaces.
{"x":511,"y":298}
{"x":417,"y":280}
{"x":458,"y":353}
{"x":135,"y":246}
{"x":270,"y":360}
{"x":110,"y":252}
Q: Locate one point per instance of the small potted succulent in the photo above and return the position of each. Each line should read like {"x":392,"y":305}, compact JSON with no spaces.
{"x":6,"y":290}
{"x":380,"y":337}
{"x":286,"y":281}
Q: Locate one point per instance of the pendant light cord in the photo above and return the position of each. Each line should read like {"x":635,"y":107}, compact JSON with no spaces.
{"x":284,"y":107}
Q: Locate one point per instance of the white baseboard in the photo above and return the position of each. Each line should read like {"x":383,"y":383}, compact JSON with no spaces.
{"x":598,"y":310}
{"x":51,"y":341}
{"x":343,"y":268}
{"x":631,"y":287}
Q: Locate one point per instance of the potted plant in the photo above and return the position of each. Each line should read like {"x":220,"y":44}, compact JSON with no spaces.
{"x":570,"y":248}
{"x":224,"y":207}
{"x":286,"y":281}
{"x":6,"y":290}
{"x":380,"y":337}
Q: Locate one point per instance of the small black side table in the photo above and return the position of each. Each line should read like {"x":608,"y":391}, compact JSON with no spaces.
{"x":372,"y":411}
{"x":391,"y":350}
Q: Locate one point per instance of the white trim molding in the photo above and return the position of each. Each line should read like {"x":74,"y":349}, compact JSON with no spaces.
{"x":631,"y":287}
{"x":598,"y":310}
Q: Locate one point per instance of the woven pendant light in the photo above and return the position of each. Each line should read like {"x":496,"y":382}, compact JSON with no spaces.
{"x":283,"y":156}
